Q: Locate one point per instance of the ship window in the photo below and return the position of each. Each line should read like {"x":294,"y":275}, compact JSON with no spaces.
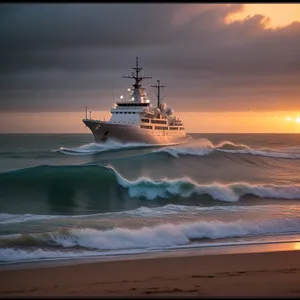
{"x":182,"y":128}
{"x":173,"y":128}
{"x":145,"y":120}
{"x":125,"y":112}
{"x":133,"y":104}
{"x":161,"y":128}
{"x":159,"y":121}
{"x":146,"y":126}
{"x":129,"y":112}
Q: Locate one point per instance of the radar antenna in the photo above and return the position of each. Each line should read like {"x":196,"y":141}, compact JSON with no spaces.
{"x":135,"y":75}
{"x":158,"y":86}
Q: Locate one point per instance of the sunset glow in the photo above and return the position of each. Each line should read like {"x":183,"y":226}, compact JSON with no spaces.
{"x":226,"y":67}
{"x":279,"y":14}
{"x":206,"y":122}
{"x":127,"y":128}
{"x":295,"y":119}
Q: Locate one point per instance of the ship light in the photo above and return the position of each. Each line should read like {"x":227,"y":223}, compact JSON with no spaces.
{"x":128,"y":90}
{"x":121,"y":97}
{"x":132,"y":98}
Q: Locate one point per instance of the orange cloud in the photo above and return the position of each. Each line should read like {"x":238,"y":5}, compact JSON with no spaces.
{"x":277,"y":15}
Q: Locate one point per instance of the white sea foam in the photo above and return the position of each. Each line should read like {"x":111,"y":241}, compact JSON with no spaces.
{"x":20,"y":255}
{"x":94,"y":148}
{"x":196,"y":147}
{"x":20,"y":218}
{"x":120,"y":241}
{"x":11,"y":255}
{"x":185,"y":187}
{"x":204,"y":147}
{"x":273,"y":153}
{"x":166,"y":235}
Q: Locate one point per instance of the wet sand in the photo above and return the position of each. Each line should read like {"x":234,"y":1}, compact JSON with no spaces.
{"x":267,"y":274}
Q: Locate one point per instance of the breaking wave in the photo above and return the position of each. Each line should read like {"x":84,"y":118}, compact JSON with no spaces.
{"x":199,"y":147}
{"x":106,"y":179}
{"x":155,"y":237}
{"x":94,"y":148}
{"x":205,"y":147}
{"x":185,"y":187}
{"x":12,"y":255}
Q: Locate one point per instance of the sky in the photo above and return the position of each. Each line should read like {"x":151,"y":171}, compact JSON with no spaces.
{"x":227,"y":67}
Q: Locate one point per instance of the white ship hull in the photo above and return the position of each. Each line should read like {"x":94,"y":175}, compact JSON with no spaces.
{"x":123,"y":133}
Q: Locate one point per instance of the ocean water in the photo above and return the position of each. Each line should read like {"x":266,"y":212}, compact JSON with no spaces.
{"x":64,"y":197}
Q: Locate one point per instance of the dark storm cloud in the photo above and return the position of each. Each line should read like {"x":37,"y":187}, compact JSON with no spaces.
{"x":61,"y":56}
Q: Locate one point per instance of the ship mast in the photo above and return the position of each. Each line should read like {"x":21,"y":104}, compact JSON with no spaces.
{"x":158,"y":86}
{"x":135,"y":75}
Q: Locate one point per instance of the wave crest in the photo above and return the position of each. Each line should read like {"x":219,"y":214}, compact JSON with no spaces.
{"x":108,"y":178}
{"x":155,"y":237}
{"x":111,"y":146}
{"x":204,"y":147}
{"x":185,"y":187}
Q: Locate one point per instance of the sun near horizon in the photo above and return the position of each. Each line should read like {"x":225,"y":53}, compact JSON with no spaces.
{"x":284,"y":119}
{"x":195,"y":122}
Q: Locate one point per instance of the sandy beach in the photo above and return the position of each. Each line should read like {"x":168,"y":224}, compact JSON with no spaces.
{"x":269,"y":274}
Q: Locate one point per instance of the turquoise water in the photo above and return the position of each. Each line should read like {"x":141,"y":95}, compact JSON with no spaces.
{"x":62,"y":196}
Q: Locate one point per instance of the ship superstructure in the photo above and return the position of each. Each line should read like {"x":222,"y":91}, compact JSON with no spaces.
{"x":135,"y":120}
